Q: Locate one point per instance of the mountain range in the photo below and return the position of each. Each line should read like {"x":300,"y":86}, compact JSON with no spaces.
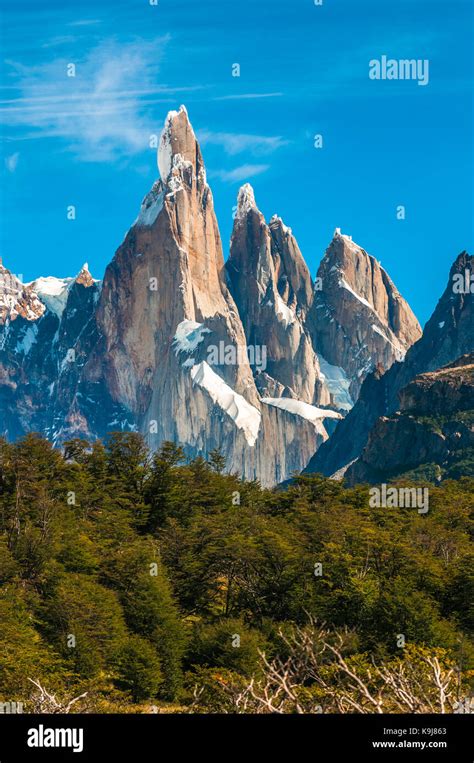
{"x":249,"y":356}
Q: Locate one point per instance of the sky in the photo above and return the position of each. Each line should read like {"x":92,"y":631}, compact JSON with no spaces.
{"x":304,"y":71}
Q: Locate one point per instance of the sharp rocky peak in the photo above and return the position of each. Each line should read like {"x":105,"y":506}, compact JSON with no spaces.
{"x":246,"y":201}
{"x":84,"y":277}
{"x":178,"y":148}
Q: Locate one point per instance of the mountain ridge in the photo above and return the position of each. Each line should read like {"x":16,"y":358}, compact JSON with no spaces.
{"x":133,"y":351}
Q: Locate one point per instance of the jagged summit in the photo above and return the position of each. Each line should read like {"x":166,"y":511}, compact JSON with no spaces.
{"x":338,"y":234}
{"x":245,"y":201}
{"x":178,"y":148}
{"x":277,"y":222}
{"x":272,"y":288}
{"x":84,"y":277}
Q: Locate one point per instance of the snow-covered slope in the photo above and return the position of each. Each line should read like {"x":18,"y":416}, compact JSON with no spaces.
{"x":52,"y":292}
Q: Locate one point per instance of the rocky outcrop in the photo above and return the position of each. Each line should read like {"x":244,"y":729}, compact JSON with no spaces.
{"x":447,"y":336}
{"x":430,"y":437}
{"x":443,"y":392}
{"x":358,"y":318}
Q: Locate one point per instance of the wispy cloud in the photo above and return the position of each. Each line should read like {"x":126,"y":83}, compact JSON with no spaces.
{"x":11,"y":162}
{"x":244,"y":172}
{"x":104,"y":111}
{"x":84,"y":22}
{"x":55,"y":42}
{"x":246,"y":96}
{"x":235,"y":143}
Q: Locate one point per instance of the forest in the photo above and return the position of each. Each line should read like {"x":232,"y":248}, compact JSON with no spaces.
{"x":140,"y":582}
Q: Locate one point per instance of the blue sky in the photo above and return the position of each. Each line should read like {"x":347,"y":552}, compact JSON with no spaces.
{"x":84,"y":140}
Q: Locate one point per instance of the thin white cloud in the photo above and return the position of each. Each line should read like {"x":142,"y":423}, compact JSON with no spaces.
{"x":65,"y":39}
{"x":244,"y":172}
{"x":245,"y":96}
{"x":100,"y":112}
{"x":11,"y":162}
{"x":84,"y":22}
{"x":235,"y":143}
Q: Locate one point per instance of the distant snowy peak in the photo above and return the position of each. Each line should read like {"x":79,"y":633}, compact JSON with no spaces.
{"x":17,"y":299}
{"x":52,"y":292}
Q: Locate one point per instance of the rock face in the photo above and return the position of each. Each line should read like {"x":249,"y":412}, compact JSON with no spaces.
{"x":358,"y":318}
{"x":431,"y":436}
{"x":447,"y":336}
{"x":249,"y":357}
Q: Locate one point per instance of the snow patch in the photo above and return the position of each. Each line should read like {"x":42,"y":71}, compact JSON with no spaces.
{"x":165,"y":152}
{"x":285,"y":228}
{"x":343,"y":283}
{"x":245,"y":416}
{"x":339,"y":474}
{"x":305,"y":410}
{"x":188,"y":336}
{"x":28,"y":340}
{"x":151,"y":206}
{"x":245,"y":201}
{"x":284,"y":312}
{"x":399,"y":349}
{"x":337,"y":383}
